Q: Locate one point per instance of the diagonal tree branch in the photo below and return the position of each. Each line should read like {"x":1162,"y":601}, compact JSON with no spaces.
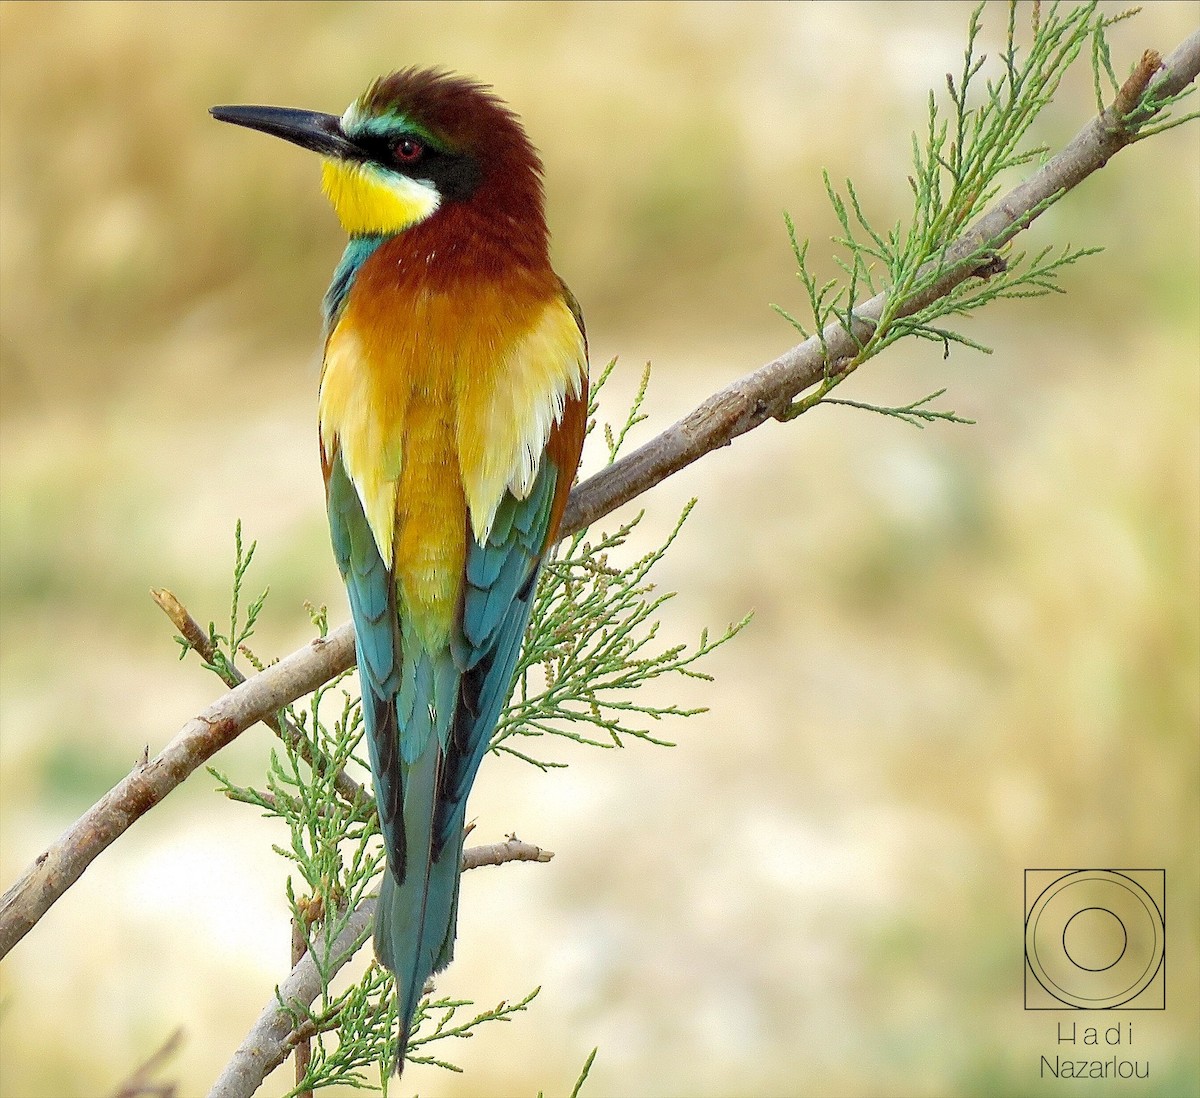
{"x":55,"y":870}
{"x":199,"y":641}
{"x":766,"y":393}
{"x":747,"y":403}
{"x":273,"y":1037}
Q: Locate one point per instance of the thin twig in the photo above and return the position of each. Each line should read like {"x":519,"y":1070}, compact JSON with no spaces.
{"x":747,"y":403}
{"x":198,"y":640}
{"x":511,"y":850}
{"x":1139,"y":80}
{"x":274,"y":1035}
{"x":304,"y":1043}
{"x":141,"y":1083}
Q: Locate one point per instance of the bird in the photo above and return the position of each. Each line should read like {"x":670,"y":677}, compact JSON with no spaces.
{"x":452,"y":408}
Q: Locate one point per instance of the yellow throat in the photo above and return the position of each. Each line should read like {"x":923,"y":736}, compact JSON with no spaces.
{"x":370,"y":199}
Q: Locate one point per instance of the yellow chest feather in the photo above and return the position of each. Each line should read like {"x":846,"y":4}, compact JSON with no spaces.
{"x":437,"y":405}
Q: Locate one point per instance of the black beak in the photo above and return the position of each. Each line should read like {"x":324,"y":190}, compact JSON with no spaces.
{"x":322,"y":133}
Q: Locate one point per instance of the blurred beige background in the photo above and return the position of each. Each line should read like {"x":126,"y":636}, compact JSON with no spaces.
{"x":975,"y":649}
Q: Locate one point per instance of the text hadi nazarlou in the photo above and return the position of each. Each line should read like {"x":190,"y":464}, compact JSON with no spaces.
{"x":1085,"y":1039}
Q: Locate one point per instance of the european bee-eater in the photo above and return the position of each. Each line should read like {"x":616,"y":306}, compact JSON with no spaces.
{"x":452,"y":409}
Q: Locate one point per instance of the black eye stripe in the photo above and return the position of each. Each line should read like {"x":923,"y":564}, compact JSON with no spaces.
{"x":455,"y":175}
{"x":380,"y":148}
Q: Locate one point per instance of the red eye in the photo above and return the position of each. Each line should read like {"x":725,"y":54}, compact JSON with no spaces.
{"x":408,"y":151}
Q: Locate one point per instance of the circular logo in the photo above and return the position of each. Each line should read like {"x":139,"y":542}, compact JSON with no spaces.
{"x":1094,"y":939}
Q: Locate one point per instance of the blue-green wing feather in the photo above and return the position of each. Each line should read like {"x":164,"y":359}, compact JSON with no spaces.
{"x":501,"y":575}
{"x":372,"y":596}
{"x":429,"y":715}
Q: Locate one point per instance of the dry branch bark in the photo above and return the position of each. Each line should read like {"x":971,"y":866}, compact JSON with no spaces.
{"x":198,"y":640}
{"x":745,"y":404}
{"x":54,"y":871}
{"x":765,"y":393}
